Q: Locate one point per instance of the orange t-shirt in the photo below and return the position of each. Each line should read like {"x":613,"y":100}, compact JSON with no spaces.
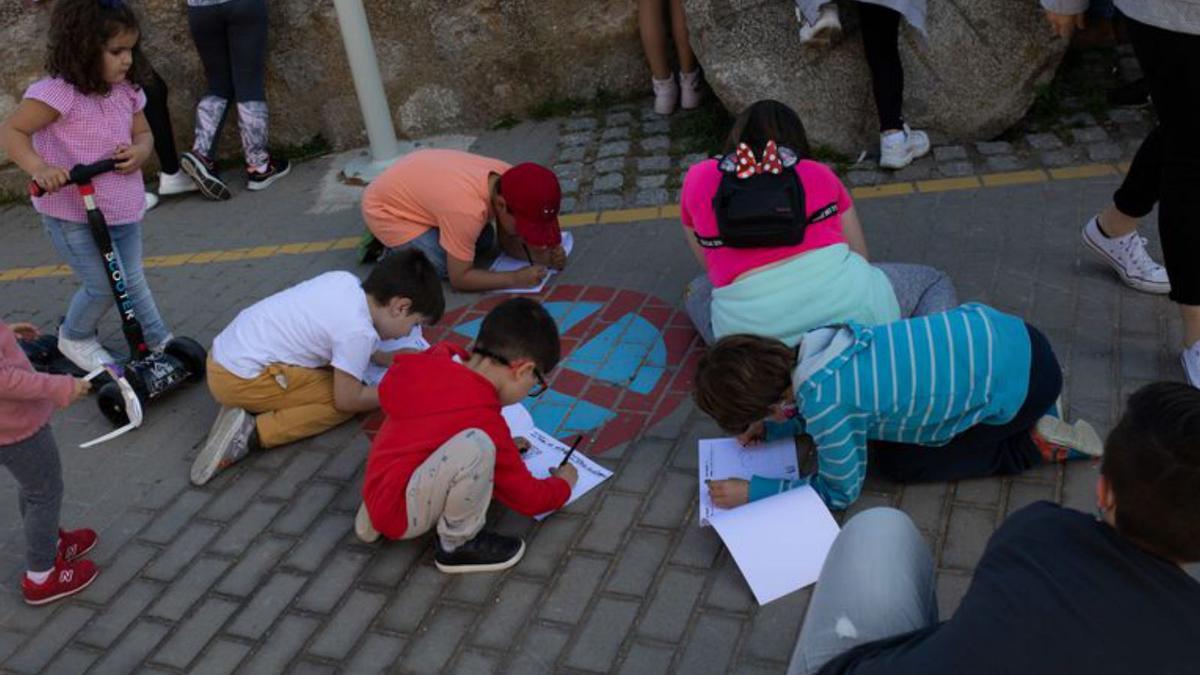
{"x":446,"y":189}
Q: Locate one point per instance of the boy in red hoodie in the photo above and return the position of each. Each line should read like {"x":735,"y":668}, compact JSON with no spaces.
{"x":444,"y":449}
{"x":28,"y":451}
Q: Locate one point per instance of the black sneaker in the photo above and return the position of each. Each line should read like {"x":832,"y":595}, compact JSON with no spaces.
{"x":261,"y":180}
{"x":203,"y":171}
{"x":1135,"y":94}
{"x":487,"y":552}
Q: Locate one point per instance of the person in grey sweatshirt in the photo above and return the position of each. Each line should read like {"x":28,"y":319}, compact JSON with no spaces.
{"x":1166,"y":169}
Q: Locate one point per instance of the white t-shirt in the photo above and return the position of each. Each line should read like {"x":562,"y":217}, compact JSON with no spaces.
{"x":320,"y":322}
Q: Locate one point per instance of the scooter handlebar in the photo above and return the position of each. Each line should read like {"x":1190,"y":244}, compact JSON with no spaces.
{"x":80,"y":173}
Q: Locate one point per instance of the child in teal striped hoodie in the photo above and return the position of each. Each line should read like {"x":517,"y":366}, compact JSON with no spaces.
{"x":961,"y":394}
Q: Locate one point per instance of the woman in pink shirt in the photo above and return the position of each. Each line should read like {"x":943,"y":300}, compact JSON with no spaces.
{"x":89,"y":109}
{"x":785,"y":291}
{"x":56,"y":568}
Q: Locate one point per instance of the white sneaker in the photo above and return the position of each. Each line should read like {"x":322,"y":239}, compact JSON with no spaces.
{"x":690,"y":92}
{"x":823,"y":33}
{"x":1127,"y":255}
{"x":175,"y":184}
{"x":88,"y":354}
{"x":364,"y":529}
{"x":151,"y":200}
{"x":1191,"y":364}
{"x":666,"y":95}
{"x":1077,"y":440}
{"x":228,"y":441}
{"x":899,"y":148}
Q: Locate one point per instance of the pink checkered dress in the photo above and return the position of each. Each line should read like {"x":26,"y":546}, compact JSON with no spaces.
{"x":89,"y":129}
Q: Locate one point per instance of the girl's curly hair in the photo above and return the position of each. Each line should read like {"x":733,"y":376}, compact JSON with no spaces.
{"x":79,"y":29}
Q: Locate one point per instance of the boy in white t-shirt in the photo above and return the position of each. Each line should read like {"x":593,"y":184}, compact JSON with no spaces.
{"x":292,"y":365}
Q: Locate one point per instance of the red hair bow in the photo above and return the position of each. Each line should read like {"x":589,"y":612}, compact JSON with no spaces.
{"x":748,"y":165}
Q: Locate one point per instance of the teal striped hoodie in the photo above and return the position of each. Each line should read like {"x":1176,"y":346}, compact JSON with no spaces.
{"x":921,"y":380}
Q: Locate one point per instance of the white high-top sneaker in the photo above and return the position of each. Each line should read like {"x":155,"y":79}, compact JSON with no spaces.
{"x":1127,"y":255}
{"x":690,"y":91}
{"x":899,"y":148}
{"x":666,"y":95}
{"x":88,"y":354}
{"x":175,"y":184}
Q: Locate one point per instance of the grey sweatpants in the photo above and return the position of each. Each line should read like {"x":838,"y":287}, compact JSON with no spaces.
{"x":34,"y":463}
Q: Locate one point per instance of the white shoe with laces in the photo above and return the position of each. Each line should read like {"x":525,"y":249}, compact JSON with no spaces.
{"x":1127,"y":255}
{"x":666,"y":95}
{"x":898,"y":149}
{"x":690,"y":89}
{"x":175,"y":184}
{"x":1191,"y":364}
{"x":823,"y":33}
{"x":88,"y":354}
{"x":151,"y":200}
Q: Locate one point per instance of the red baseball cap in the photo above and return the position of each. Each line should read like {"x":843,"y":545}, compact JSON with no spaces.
{"x":533,"y":197}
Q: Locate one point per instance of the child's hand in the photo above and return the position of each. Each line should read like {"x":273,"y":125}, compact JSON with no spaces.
{"x":521,"y":443}
{"x":51,"y":178}
{"x":729,"y":493}
{"x":82,"y":387}
{"x":566,"y":472}
{"x":755,"y":433}
{"x":528,"y":277}
{"x":24,"y":330}
{"x":558,"y":257}
{"x":130,"y":158}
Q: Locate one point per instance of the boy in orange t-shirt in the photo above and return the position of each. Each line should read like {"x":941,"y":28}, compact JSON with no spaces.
{"x":443,"y":201}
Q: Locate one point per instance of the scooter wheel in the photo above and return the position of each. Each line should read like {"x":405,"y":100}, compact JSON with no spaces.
{"x":190,"y":354}
{"x":112,"y":404}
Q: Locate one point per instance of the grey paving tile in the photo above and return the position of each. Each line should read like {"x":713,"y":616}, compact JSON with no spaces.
{"x":343,"y":629}
{"x":710,"y":645}
{"x":431,"y":651}
{"x":603,"y":632}
{"x":286,"y":642}
{"x":195,"y":633}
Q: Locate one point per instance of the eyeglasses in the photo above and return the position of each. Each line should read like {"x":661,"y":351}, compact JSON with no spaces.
{"x":537,"y":390}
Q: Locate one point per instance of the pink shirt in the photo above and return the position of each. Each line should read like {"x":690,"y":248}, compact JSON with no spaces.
{"x":89,"y":129}
{"x":821,"y":188}
{"x":27,"y":397}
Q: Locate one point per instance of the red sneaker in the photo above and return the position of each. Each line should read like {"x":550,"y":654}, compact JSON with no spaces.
{"x":75,"y":544}
{"x":67,"y":578}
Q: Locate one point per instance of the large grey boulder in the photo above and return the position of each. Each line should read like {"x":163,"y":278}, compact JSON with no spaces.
{"x":446,"y":65}
{"x":974,"y":77}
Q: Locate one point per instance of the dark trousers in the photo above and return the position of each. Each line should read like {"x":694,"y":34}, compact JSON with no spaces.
{"x":984,"y":449}
{"x":159,"y":119}
{"x":1166,"y":168}
{"x":231,"y":39}
{"x":880,"y":36}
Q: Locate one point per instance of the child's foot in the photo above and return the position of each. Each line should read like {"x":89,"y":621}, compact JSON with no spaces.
{"x":75,"y":544}
{"x":666,"y":95}
{"x":487,"y":552}
{"x":823,"y":33}
{"x":1127,"y":255}
{"x":203,"y":171}
{"x":230,"y":438}
{"x":1191,"y":364}
{"x":175,"y":184}
{"x":690,"y":91}
{"x":363,"y":527}
{"x":1060,"y":441}
{"x":898,"y":149}
{"x":151,"y":200}
{"x":66,"y":578}
{"x":87,"y":354}
{"x":261,"y":180}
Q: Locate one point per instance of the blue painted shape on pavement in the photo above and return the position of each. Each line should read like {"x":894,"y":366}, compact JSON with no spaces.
{"x":629,"y":353}
{"x":566,"y":315}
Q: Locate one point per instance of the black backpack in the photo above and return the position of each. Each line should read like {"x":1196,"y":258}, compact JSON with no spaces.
{"x":766,"y":210}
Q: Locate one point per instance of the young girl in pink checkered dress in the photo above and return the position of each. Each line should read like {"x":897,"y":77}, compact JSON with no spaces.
{"x":88,"y":109}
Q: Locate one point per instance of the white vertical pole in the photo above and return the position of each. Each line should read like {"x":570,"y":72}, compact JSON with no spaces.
{"x":368,"y":85}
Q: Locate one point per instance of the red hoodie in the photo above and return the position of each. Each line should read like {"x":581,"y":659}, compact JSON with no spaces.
{"x":428,"y":398}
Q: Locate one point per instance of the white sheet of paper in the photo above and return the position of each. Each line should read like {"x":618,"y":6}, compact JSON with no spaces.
{"x":548,"y":452}
{"x":722,"y":458}
{"x":414,"y":340}
{"x":520,"y":422}
{"x":779,"y":543}
{"x":506,"y":263}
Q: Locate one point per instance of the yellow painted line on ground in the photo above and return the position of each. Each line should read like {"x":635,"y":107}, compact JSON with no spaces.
{"x":1014,"y":178}
{"x":1085,"y":171}
{"x":947,"y":184}
{"x":878,"y":191}
{"x":667,"y":211}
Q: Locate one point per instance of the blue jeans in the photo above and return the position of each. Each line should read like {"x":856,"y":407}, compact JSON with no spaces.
{"x":429,"y":244}
{"x":75,"y":245}
{"x":876,"y":583}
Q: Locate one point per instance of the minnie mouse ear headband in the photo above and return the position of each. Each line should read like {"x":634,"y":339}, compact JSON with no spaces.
{"x":743,"y":162}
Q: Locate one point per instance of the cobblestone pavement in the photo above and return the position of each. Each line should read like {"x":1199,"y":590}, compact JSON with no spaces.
{"x":259,"y":571}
